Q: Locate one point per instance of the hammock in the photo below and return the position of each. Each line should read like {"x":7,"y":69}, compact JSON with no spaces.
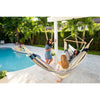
{"x":61,"y":74}
{"x":70,"y":51}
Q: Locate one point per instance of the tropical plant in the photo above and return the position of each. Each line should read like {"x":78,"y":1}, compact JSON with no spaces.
{"x":11,"y":25}
{"x":52,"y":53}
{"x":96,"y":26}
{"x":87,"y":22}
{"x":2,"y":74}
{"x":29,"y":29}
{"x":43,"y":22}
{"x":71,"y":25}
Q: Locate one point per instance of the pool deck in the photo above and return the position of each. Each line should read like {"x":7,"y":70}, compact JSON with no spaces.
{"x":86,"y":72}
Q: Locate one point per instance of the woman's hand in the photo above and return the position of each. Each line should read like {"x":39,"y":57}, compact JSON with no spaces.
{"x":55,"y":40}
{"x":51,"y":49}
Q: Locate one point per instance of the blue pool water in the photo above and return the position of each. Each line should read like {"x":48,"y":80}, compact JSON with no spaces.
{"x":13,"y":61}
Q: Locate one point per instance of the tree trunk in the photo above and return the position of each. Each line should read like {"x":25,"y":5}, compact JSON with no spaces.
{"x":17,"y":35}
{"x":83,"y":37}
{"x":32,"y":39}
{"x":46,"y":35}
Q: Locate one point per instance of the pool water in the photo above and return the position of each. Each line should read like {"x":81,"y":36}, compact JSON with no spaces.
{"x":13,"y":61}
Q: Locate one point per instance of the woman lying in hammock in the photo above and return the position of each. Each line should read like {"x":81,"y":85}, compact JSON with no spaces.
{"x":76,"y":52}
{"x":62,"y":65}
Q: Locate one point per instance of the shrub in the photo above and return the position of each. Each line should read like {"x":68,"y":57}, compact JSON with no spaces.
{"x":2,"y":74}
{"x":40,"y":39}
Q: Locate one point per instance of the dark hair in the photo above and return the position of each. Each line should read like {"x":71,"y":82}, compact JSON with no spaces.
{"x":48,"y":43}
{"x":77,"y":52}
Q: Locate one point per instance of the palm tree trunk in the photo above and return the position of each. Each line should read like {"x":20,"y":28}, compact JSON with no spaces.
{"x":83,"y":37}
{"x":46,"y":35}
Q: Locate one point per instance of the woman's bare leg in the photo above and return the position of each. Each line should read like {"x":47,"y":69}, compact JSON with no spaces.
{"x":50,"y":61}
{"x":47,"y":61}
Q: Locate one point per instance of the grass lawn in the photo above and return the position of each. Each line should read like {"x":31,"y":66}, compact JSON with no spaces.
{"x":94,"y":52}
{"x":60,"y":48}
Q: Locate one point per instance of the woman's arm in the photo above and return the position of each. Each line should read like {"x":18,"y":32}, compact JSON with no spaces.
{"x":48,"y":49}
{"x":57,"y":67}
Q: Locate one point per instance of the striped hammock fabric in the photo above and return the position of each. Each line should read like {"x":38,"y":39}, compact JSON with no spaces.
{"x":61,"y":74}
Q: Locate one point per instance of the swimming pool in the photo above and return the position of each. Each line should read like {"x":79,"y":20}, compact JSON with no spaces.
{"x":13,"y":61}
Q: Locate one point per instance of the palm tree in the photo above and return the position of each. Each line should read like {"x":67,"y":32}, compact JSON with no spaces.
{"x":43,"y":22}
{"x":30,"y":28}
{"x":71,"y":25}
{"x":87,"y":22}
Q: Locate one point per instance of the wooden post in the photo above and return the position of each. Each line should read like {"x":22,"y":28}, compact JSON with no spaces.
{"x":65,"y":45}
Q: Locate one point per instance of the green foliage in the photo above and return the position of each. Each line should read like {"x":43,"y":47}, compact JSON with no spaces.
{"x":43,"y":21}
{"x":25,"y":27}
{"x":52,"y":53}
{"x":62,"y":31}
{"x":11,"y":23}
{"x":87,"y":21}
{"x":33,"y":32}
{"x":95,"y":45}
{"x":96,"y":27}
{"x":43,"y":46}
{"x":72,"y":25}
{"x":2,"y":74}
{"x":29,"y":29}
{"x":94,"y":52}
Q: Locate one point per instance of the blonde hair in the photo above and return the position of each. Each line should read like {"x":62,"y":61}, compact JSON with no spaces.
{"x":64,"y":62}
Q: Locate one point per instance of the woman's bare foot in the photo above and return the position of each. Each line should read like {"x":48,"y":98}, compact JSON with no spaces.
{"x":59,"y":80}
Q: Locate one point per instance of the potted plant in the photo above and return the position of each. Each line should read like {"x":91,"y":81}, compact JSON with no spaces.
{"x":52,"y":53}
{"x":3,"y":76}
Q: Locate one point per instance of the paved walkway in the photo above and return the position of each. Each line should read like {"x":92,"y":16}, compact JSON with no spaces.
{"x":86,"y":72}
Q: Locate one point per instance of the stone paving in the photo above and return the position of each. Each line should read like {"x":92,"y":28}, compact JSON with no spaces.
{"x":86,"y":72}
